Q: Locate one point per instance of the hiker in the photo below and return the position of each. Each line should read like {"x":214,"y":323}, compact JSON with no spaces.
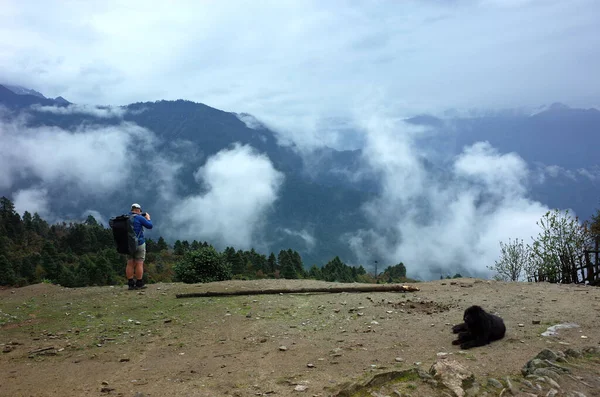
{"x":135,"y":263}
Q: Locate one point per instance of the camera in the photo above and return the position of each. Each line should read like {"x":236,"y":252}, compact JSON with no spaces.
{"x":143,"y":214}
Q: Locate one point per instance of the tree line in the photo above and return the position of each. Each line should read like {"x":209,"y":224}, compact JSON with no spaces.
{"x":79,"y":254}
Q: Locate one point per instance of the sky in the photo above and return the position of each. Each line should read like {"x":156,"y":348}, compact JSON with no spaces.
{"x":319,"y":73}
{"x":306,"y":64}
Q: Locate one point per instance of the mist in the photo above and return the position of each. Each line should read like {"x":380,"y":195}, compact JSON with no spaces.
{"x":443,"y":219}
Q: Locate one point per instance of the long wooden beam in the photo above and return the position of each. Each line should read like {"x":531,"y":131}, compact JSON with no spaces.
{"x":366,"y":288}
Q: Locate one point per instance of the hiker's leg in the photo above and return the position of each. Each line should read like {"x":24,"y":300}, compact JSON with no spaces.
{"x":129,"y":269}
{"x":139,"y":269}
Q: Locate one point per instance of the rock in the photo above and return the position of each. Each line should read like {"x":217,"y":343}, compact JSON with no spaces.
{"x":547,"y":354}
{"x":578,"y":394}
{"x":309,"y":365}
{"x":399,"y":359}
{"x":494,"y":383}
{"x":513,"y":390}
{"x":123,"y":360}
{"x":521,"y":325}
{"x":7,"y":349}
{"x":300,"y":388}
{"x":573,"y":353}
{"x":552,"y":393}
{"x":532,"y":365}
{"x":473,"y":390}
{"x":535,"y":322}
{"x":528,"y":384}
{"x":552,"y":383}
{"x":105,"y":383}
{"x":546,"y":372}
{"x":106,"y":389}
{"x":451,"y":374}
{"x":592,"y":350}
{"x":282,"y":348}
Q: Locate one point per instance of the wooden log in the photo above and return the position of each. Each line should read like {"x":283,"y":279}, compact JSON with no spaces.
{"x":367,"y":288}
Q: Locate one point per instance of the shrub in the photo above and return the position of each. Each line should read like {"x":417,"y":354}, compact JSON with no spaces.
{"x":202,"y":266}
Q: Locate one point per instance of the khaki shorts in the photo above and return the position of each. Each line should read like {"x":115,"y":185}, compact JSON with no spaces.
{"x":140,"y":253}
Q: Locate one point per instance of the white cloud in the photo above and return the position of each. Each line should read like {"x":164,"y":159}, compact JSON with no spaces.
{"x":294,"y":65}
{"x":94,"y":160}
{"x":32,"y":200}
{"x":105,"y":112}
{"x":438,"y":222}
{"x":304,"y":235}
{"x":97,"y":215}
{"x":240,"y":185}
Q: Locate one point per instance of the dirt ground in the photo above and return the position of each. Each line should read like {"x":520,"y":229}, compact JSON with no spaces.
{"x":107,"y":341}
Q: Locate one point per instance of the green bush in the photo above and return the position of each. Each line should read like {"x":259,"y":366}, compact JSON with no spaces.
{"x":202,"y":266}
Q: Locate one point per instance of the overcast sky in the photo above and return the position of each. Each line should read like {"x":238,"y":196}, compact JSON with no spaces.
{"x":303,"y":62}
{"x":312,"y":70}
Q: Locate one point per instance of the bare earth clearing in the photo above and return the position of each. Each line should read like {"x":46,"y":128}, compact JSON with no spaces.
{"x":107,"y":341}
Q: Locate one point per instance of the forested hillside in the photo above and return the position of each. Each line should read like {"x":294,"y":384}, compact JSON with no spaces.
{"x":79,"y":254}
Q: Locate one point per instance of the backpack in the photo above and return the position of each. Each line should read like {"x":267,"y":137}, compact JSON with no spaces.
{"x":125,"y":238}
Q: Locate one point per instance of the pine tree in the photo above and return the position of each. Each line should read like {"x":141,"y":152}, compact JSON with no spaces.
{"x":161,"y":244}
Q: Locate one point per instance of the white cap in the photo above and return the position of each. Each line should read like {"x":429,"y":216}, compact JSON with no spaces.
{"x":136,"y":205}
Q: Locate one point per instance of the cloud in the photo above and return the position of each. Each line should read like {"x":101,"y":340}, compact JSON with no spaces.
{"x":304,"y":235}
{"x":445,"y":218}
{"x":32,"y":200}
{"x":97,"y":215}
{"x":95,"y":160}
{"x":105,"y":112}
{"x":295,"y":65}
{"x":239,"y":186}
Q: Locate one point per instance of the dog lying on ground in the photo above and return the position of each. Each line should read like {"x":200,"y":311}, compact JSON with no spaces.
{"x":479,"y":328}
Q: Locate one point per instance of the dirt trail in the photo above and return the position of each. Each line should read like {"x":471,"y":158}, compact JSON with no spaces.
{"x":109,"y":341}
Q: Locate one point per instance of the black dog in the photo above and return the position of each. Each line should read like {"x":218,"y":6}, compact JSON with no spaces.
{"x":479,"y":328}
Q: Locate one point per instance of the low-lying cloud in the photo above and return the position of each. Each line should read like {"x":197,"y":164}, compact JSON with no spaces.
{"x":91,"y":159}
{"x":34,"y":200}
{"x":443,"y":219}
{"x":104,"y":112}
{"x":239,"y":186}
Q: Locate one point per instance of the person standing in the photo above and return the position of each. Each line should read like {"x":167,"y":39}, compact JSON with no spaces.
{"x":135,"y":263}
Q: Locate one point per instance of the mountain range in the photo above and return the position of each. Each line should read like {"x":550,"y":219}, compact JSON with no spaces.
{"x":323,"y":196}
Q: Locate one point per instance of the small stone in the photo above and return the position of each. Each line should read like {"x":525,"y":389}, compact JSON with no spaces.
{"x":282,"y":348}
{"x":442,"y":355}
{"x":7,"y":349}
{"x":521,"y":325}
{"x":106,"y":389}
{"x":105,"y":383}
{"x":167,"y":321}
{"x":309,"y":365}
{"x":547,"y":354}
{"x":583,"y":337}
{"x":123,"y":360}
{"x":573,"y":353}
{"x":494,"y":383}
{"x":399,"y":359}
{"x":535,"y":322}
{"x":300,"y":388}
{"x":552,"y":393}
{"x":513,"y":390}
{"x":374,"y":322}
{"x":137,"y":323}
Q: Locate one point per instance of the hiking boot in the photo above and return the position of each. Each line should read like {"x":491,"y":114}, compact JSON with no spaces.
{"x":130,"y":285}
{"x":139,"y":284}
